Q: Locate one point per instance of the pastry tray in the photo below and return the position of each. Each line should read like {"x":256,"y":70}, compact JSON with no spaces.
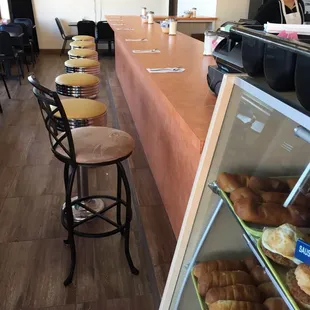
{"x":252,"y":229}
{"x":279,"y":274}
{"x":202,"y":304}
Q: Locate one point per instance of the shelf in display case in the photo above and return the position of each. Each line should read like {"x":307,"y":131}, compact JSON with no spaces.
{"x":276,"y":273}
{"x":202,"y":304}
{"x":251,"y":229}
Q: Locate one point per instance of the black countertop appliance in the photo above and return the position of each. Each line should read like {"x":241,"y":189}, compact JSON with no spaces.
{"x":227,"y":54}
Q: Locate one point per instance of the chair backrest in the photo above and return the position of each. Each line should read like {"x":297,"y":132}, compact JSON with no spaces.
{"x":87,"y":27}
{"x":60,"y":27}
{"x":104,"y":31}
{"x":23,"y":28}
{"x":12,"y":28}
{"x":6,"y":47}
{"x":28,"y":22}
{"x":50,"y":104}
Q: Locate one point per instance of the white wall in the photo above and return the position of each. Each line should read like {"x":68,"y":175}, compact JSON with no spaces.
{"x":4,"y":7}
{"x":204,"y":7}
{"x":231,"y":10}
{"x":224,"y":10}
{"x":75,"y":10}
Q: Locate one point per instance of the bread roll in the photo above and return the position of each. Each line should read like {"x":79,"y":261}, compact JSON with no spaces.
{"x":279,"y":244}
{"x":221,"y":279}
{"x":238,"y":292}
{"x":251,"y":262}
{"x":302,"y":274}
{"x":272,"y":214}
{"x":275,"y":304}
{"x":235,"y":305}
{"x":258,"y":184}
{"x":291,"y":182}
{"x":268,"y":290}
{"x":229,"y":182}
{"x":280,"y":198}
{"x":218,"y":265}
{"x":244,"y":192}
{"x":299,"y":295}
{"x":259,"y":275}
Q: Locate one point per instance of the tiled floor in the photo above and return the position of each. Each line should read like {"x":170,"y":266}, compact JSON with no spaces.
{"x":33,"y":259}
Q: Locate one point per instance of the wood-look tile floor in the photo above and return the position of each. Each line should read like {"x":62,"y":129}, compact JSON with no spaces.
{"x":33,"y":259}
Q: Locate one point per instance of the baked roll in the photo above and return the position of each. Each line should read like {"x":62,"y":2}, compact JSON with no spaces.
{"x":238,"y":292}
{"x":235,"y":305}
{"x":268,"y":290}
{"x":218,"y":265}
{"x":259,"y":275}
{"x":275,"y":304}
{"x":221,"y":279}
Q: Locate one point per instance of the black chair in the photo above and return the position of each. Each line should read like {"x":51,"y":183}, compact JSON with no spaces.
{"x":28,"y":22}
{"x":105,"y":34}
{"x":63,"y":35}
{"x":75,"y":148}
{"x":8,"y":53}
{"x":87,"y":27}
{"x":17,"y":34}
{"x":28,"y":43}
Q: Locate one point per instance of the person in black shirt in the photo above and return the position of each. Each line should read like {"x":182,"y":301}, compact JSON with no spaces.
{"x":281,"y":12}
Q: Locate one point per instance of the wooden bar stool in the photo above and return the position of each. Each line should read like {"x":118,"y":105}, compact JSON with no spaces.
{"x":83,"y":113}
{"x":83,"y":53}
{"x":83,"y":44}
{"x":83,"y":65}
{"x":83,"y":38}
{"x":78,"y":85}
{"x":88,"y":147}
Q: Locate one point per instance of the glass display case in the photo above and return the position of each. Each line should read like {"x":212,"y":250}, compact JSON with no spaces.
{"x":255,"y":131}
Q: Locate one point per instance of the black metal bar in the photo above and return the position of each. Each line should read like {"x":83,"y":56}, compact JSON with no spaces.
{"x":287,"y":44}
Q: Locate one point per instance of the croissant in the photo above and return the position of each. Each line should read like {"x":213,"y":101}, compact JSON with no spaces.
{"x":221,"y":279}
{"x":218,"y":265}
{"x":238,"y":292}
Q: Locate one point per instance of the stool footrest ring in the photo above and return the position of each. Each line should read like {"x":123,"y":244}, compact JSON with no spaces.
{"x":79,"y":202}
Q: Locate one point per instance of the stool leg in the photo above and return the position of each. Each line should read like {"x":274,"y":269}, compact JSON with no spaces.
{"x":133,"y":269}
{"x":69,"y":178}
{"x":119,"y":197}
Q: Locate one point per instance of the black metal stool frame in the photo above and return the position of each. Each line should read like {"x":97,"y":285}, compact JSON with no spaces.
{"x":47,"y":98}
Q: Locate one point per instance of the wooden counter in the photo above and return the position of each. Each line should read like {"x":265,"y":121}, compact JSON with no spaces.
{"x":171,"y":111}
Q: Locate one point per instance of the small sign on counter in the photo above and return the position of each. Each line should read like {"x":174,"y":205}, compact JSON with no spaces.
{"x":302,"y":251}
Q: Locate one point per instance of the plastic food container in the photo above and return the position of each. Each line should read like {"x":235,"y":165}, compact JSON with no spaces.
{"x":253,"y":52}
{"x":279,"y":68}
{"x":302,"y":82}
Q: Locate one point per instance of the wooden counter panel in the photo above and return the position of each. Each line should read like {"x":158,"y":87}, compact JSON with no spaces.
{"x":173,"y":152}
{"x":171,"y":117}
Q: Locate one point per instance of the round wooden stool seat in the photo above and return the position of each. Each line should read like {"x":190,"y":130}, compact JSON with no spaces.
{"x":83,"y":44}
{"x":83,"y":65}
{"x":84,"y":112}
{"x":99,"y":145}
{"x":83,"y":38}
{"x":79,"y":85}
{"x":83,"y":53}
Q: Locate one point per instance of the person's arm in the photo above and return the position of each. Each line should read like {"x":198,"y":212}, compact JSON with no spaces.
{"x":268,"y":12}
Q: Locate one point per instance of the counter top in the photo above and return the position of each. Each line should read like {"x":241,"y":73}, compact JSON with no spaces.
{"x":187,"y":92}
{"x":191,"y":19}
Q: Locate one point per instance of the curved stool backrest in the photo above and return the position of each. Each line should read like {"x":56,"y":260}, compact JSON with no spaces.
{"x":50,"y":104}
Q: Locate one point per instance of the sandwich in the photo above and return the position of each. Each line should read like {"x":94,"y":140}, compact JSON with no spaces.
{"x":298,"y":282}
{"x":279,"y":244}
